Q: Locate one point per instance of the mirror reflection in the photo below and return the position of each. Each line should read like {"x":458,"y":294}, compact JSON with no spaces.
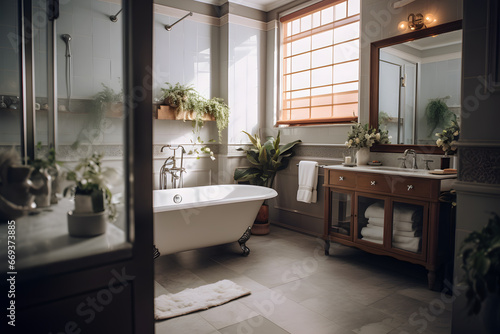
{"x":419,"y":87}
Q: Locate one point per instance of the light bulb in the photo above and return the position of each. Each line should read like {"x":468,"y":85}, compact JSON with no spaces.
{"x":429,"y":19}
{"x":402,"y":26}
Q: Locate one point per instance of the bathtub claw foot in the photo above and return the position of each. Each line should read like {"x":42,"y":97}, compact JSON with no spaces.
{"x":242,"y":241}
{"x":156,"y":252}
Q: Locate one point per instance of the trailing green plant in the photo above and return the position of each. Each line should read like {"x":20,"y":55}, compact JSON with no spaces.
{"x":220,"y":111}
{"x":480,"y":255}
{"x":383,"y":117}
{"x":438,"y":114}
{"x":89,"y":177}
{"x":204,"y":149}
{"x":181,"y":97}
{"x":266,"y":158}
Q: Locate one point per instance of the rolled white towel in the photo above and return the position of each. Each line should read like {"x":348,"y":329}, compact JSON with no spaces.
{"x":375,"y":210}
{"x":402,"y":239}
{"x":412,"y":246}
{"x":376,"y":221}
{"x":373,"y":232}
{"x":376,"y":241}
{"x":406,"y":214}
{"x":414,"y":233}
{"x":396,"y":225}
{"x":379,"y":224}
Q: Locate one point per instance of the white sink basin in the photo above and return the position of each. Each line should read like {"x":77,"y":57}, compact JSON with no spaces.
{"x":400,"y":170}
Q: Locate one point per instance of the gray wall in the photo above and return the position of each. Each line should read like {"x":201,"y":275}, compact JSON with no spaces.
{"x":478,"y":189}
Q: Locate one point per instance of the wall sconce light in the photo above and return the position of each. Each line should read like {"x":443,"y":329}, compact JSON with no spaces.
{"x":416,"y":22}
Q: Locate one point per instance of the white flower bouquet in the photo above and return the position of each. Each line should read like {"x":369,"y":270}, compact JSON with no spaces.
{"x":363,"y":136}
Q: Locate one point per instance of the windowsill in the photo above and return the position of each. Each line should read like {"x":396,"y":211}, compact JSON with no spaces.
{"x":284,"y":127}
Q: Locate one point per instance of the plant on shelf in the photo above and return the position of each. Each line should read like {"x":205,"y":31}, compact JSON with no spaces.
{"x":362,"y":136}
{"x":92,"y":186}
{"x":438,"y":114}
{"x":186,"y":99}
{"x":480,"y":255}
{"x":107,"y":101}
{"x":266,"y":159}
{"x":179,"y":97}
{"x":447,"y":139}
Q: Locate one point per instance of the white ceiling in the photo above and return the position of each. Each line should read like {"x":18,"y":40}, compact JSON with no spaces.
{"x":264,"y":5}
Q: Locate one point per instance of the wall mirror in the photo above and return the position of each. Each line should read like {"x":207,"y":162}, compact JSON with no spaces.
{"x":415,"y":86}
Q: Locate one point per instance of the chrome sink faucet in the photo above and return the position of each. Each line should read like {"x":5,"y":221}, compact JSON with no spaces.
{"x":414,"y":155}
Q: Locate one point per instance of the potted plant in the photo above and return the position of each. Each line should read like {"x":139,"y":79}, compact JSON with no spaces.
{"x":362,"y":137}
{"x":480,"y":255}
{"x":447,"y":140}
{"x":93,"y":196}
{"x":267,"y":159}
{"x":108,"y":103}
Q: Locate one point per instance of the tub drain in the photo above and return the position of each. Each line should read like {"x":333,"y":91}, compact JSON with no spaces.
{"x":177,"y":199}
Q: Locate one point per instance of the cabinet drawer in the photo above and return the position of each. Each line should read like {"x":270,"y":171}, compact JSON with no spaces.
{"x":341,"y":178}
{"x":373,"y":182}
{"x":414,"y":187}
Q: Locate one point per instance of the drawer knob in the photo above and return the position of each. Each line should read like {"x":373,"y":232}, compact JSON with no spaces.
{"x":410,"y":187}
{"x":372,"y":183}
{"x":341,"y":178}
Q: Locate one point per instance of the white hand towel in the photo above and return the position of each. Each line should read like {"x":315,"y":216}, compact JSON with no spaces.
{"x":412,"y":246}
{"x":376,"y":221}
{"x":308,"y":182}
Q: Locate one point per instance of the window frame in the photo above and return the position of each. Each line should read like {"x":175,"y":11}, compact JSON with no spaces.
{"x":318,"y":6}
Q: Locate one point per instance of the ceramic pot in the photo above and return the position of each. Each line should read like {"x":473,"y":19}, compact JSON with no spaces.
{"x":363,"y":156}
{"x":261,"y":224}
{"x":86,"y":224}
{"x":445,"y":162}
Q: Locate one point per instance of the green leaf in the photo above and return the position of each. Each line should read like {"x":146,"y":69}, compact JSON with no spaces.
{"x":289,"y":146}
{"x":253,"y":157}
{"x":252,"y":139}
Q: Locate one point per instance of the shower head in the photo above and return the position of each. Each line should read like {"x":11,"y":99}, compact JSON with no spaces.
{"x":66,"y":38}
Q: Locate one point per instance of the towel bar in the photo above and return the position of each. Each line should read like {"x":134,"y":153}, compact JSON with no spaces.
{"x":321,"y":166}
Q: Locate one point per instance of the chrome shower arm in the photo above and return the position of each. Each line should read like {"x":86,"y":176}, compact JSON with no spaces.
{"x":169,"y":27}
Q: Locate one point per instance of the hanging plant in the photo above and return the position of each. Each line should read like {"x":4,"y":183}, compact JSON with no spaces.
{"x":438,"y":114}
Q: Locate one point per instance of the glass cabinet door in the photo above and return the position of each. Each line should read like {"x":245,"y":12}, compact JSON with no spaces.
{"x":408,"y":226}
{"x":341,"y":213}
{"x":370,"y":219}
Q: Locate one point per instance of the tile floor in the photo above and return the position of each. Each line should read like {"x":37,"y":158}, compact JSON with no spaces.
{"x":298,"y":290}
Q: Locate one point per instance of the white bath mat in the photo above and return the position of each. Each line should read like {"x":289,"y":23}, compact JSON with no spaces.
{"x":201,"y":298}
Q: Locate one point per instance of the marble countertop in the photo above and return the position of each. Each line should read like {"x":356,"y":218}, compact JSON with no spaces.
{"x":422,"y":173}
{"x":42,"y":239}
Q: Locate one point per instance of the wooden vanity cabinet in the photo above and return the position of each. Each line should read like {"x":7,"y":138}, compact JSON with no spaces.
{"x":403,"y":217}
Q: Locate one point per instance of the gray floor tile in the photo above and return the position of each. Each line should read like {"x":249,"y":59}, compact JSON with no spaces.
{"x":187,"y":324}
{"x":257,"y":324}
{"x":297,"y":289}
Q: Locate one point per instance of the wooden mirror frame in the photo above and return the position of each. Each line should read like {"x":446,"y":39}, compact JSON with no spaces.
{"x":374,"y":80}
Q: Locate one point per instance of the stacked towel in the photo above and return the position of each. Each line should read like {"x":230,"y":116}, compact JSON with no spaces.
{"x":407,"y":226}
{"x":308,"y":182}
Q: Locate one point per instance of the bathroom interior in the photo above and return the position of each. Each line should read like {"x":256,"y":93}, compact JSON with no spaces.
{"x":59,"y":60}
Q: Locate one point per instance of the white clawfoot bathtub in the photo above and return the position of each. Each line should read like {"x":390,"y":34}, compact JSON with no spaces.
{"x":190,"y":218}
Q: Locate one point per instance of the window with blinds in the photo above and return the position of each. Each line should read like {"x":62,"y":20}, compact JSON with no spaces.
{"x":320,"y":62}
